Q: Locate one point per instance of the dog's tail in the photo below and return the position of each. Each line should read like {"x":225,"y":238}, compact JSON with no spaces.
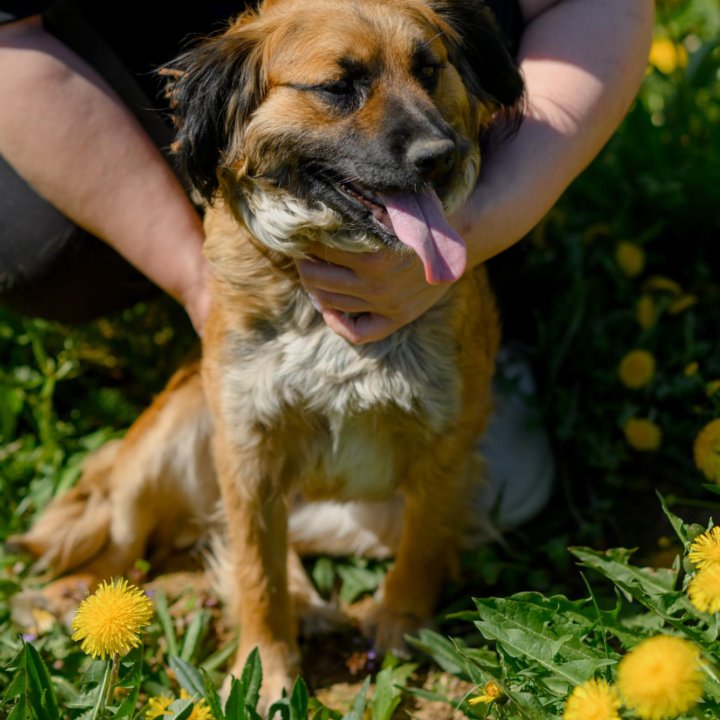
{"x":147,"y":489}
{"x":74,"y":527}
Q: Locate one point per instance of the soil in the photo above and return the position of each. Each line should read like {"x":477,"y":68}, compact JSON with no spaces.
{"x":335,"y":664}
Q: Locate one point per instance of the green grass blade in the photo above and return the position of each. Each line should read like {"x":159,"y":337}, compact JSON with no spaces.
{"x":166,"y":622}
{"x":195,"y":634}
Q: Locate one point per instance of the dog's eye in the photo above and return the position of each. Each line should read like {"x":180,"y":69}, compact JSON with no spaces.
{"x":345,"y":94}
{"x":344,"y":86}
{"x":427,"y":73}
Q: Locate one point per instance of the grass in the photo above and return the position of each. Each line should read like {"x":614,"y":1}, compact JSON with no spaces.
{"x":627,"y":260}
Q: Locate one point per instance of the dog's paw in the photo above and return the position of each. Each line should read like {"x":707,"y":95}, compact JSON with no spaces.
{"x":389,"y":628}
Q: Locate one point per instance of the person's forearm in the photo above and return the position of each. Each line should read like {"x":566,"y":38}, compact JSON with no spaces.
{"x":583,"y":62}
{"x":65,"y":132}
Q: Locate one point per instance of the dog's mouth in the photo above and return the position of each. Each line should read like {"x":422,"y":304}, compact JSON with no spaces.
{"x":415,"y":219}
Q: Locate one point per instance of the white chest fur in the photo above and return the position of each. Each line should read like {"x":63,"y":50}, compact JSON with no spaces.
{"x":346,"y":389}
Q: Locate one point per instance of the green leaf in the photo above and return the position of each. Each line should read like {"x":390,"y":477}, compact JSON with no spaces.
{"x":633,"y":581}
{"x":357,"y":580}
{"x":12,"y":400}
{"x":318,"y":711}
{"x":211,"y":695}
{"x":188,"y":676}
{"x":534,"y":633}
{"x":323,"y":575}
{"x":386,"y":697}
{"x":9,"y":587}
{"x":17,"y":690}
{"x":281,"y":707}
{"x":38,"y":685}
{"x":678,"y":525}
{"x":181,"y":709}
{"x":131,"y":681}
{"x":298,"y":702}
{"x":245,"y":691}
{"x":357,"y":711}
{"x":441,"y":650}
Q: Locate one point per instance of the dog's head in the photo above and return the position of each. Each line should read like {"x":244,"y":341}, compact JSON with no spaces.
{"x":356,"y":123}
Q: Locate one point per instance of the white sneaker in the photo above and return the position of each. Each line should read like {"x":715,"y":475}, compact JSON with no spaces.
{"x":520,"y":466}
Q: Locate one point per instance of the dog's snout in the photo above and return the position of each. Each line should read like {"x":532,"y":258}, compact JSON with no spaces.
{"x":433,"y":157}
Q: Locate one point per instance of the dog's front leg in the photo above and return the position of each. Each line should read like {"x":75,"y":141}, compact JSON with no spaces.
{"x":256,"y":514}
{"x":427,"y":554}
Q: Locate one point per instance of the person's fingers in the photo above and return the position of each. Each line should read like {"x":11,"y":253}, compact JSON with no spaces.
{"x":360,"y":329}
{"x":326,"y":276}
{"x":324,"y":300}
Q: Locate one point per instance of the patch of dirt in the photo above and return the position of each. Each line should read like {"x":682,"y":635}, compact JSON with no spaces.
{"x":335,"y":664}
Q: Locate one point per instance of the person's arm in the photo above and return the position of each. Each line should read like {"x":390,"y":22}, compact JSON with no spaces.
{"x":583,"y":62}
{"x":69,"y":136}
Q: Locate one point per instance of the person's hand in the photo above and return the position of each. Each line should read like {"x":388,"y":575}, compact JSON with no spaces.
{"x":365,"y":297}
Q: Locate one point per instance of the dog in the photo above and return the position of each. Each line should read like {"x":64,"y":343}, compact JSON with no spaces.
{"x":356,"y":125}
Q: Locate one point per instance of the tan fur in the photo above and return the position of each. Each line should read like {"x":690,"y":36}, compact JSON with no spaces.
{"x":290,"y":412}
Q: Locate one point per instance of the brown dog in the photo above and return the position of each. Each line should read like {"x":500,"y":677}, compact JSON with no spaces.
{"x":356,"y":125}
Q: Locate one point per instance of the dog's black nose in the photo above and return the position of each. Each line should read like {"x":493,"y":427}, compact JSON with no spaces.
{"x":432,"y":157}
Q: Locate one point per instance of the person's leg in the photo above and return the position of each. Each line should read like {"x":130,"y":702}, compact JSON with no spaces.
{"x":516,"y":447}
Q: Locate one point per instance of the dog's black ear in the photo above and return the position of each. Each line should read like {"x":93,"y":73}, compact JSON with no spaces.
{"x":213,"y":88}
{"x":482,"y":56}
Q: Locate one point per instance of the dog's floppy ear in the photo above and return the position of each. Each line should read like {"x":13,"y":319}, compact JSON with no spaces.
{"x":482,"y":55}
{"x":213,"y":88}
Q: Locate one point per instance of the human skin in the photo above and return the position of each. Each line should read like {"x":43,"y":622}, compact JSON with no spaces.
{"x":65,"y":131}
{"x":582,"y":60}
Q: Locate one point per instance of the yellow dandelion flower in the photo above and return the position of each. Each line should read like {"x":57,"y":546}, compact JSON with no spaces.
{"x":636,"y":368}
{"x":681,"y":304}
{"x":705,"y":549}
{"x":493,"y":692}
{"x":647,"y":311}
{"x":662,"y":284}
{"x":704,"y":590}
{"x":108,"y":621}
{"x":643,"y":435}
{"x":667,"y":56}
{"x":691,"y":369}
{"x":712,"y":387}
{"x":661,"y":677}
{"x":593,"y":700}
{"x":706,"y":450}
{"x":201,"y":710}
{"x":631,"y":258}
{"x":158,"y":707}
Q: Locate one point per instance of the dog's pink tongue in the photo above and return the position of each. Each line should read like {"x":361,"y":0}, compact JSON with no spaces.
{"x":419,"y":222}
